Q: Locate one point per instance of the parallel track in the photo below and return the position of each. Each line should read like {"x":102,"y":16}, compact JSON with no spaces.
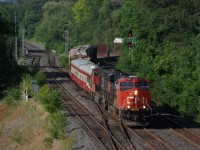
{"x":100,"y":129}
{"x":180,"y":131}
{"x":111,"y":137}
{"x":100,"y":133}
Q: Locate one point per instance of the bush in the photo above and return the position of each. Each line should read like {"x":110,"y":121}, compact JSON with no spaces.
{"x":43,"y":92}
{"x":53,"y":103}
{"x":13,"y":95}
{"x":40,"y":78}
{"x":63,"y":59}
{"x":57,"y":122}
{"x":50,"y":99}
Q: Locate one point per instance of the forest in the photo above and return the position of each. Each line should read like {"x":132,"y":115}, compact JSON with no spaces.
{"x":166,"y":51}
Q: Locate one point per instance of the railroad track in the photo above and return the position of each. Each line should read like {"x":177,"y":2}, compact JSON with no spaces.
{"x":108,"y":137}
{"x":151,"y":139}
{"x":129,"y":135}
{"x":115,"y":128}
{"x":122,"y":139}
{"x":36,"y":61}
{"x":184,"y":133}
{"x":96,"y":129}
{"x":146,"y":138}
{"x":116,"y":132}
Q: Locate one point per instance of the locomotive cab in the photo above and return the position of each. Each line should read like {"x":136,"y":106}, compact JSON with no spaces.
{"x":134,"y":100}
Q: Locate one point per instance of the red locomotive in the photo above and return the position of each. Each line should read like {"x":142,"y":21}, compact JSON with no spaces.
{"x":127,"y":97}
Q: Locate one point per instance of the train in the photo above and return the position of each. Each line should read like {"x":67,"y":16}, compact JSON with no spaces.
{"x":127,"y":97}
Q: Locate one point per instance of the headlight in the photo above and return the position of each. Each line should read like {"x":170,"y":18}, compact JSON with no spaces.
{"x":144,"y":107}
{"x":128,"y":107}
{"x":135,"y":92}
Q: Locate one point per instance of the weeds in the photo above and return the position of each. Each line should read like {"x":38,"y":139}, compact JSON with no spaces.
{"x":51,"y":102}
{"x":13,"y":95}
{"x":68,"y":143}
{"x":40,"y":78}
{"x":48,"y":142}
{"x":17,"y":137}
{"x":1,"y":130}
{"x":57,"y":123}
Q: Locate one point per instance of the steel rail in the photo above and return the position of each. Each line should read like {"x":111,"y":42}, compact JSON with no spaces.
{"x":106,"y":125}
{"x":159,"y":139}
{"x":178,"y":129}
{"x":184,"y":128}
{"x":142,"y":139}
{"x":182,"y":133}
{"x":127,"y":136}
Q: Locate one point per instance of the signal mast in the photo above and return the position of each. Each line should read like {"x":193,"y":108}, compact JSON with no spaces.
{"x":131,"y":41}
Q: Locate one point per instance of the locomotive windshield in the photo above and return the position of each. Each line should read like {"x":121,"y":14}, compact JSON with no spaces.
{"x":142,"y":85}
{"x":126,"y":86}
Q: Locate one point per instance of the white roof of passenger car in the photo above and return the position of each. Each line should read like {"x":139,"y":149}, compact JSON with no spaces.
{"x":84,"y":65}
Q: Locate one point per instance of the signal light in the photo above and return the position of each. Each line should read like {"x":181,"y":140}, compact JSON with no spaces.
{"x":135,"y":92}
{"x":130,"y":33}
{"x":130,"y":44}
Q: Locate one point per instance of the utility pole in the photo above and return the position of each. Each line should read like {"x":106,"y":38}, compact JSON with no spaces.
{"x":67,"y":41}
{"x":15,"y":36}
{"x":23,"y":40}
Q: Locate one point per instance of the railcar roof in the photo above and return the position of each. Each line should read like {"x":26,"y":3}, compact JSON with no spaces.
{"x":84,"y":65}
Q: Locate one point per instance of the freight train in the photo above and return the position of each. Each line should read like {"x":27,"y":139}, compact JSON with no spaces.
{"x":126,"y":96}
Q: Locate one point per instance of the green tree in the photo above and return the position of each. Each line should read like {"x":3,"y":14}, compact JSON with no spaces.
{"x":54,"y":23}
{"x":164,"y":53}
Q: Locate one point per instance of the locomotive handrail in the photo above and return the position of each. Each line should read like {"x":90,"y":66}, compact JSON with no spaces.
{"x":149,"y":106}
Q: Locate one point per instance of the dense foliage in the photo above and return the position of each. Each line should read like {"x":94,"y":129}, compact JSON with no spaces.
{"x":40,"y":78}
{"x":167,"y":49}
{"x":51,"y":100}
{"x":10,"y":72}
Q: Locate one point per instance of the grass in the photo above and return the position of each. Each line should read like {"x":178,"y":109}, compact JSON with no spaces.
{"x":24,"y":127}
{"x":17,"y":137}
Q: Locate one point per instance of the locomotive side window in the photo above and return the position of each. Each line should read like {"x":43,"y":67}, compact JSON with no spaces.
{"x":142,"y":85}
{"x":126,"y":86}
